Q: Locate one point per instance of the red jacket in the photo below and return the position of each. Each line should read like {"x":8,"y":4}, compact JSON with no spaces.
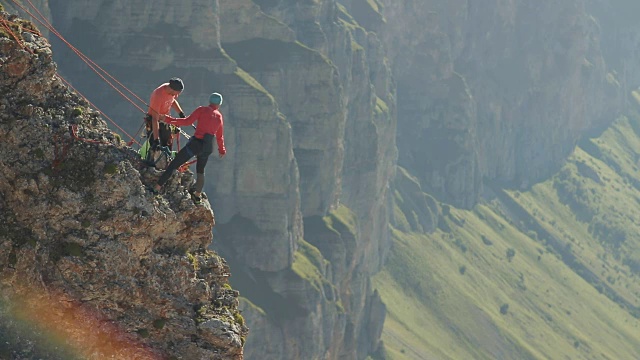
{"x":210,"y":121}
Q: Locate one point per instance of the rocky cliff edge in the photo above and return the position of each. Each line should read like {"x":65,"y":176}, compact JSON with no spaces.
{"x":88,"y":257}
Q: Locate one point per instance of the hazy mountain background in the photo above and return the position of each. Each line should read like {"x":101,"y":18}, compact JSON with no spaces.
{"x":406,"y":179}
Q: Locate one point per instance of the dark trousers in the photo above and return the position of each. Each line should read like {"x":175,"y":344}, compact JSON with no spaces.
{"x":201,"y":148}
{"x":164,"y":131}
{"x":166,"y":137}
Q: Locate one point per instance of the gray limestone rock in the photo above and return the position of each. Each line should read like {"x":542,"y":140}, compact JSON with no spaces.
{"x":86,"y":253}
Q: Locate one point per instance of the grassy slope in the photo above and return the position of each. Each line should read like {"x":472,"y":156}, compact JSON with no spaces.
{"x":569,"y":292}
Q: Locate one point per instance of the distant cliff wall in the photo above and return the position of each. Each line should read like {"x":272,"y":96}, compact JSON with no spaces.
{"x":333,"y":84}
{"x":499,"y":91}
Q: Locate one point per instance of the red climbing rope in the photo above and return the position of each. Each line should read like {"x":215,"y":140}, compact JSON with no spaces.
{"x":83,"y":56}
{"x":95,"y":67}
{"x":60,"y":152}
{"x":185,"y":166}
{"x":103,"y":114}
{"x":7,"y":26}
{"x":92,"y":65}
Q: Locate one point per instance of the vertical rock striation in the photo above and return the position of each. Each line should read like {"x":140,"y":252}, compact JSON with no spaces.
{"x":333,"y":84}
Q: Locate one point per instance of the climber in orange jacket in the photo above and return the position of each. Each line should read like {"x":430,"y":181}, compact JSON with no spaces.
{"x":163,"y":99}
{"x":210,"y":124}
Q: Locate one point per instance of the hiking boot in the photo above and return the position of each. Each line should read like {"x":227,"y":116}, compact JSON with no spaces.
{"x":196,"y":199}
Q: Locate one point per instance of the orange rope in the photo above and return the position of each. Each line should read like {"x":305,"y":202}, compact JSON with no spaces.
{"x":83,"y":56}
{"x":74,"y":133}
{"x":5,"y":24}
{"x":90,"y":64}
{"x":68,"y":83}
{"x":184,"y":167}
{"x":74,"y":127}
{"x":101,"y":112}
{"x":60,"y":153}
{"x":79,"y":53}
{"x":43,"y":20}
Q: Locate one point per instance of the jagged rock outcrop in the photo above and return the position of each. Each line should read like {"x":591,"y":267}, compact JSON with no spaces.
{"x":87,"y":255}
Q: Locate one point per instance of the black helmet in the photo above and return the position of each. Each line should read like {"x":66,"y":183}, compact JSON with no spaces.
{"x":176,"y":84}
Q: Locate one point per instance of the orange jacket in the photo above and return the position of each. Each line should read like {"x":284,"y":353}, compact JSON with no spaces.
{"x":161,"y":101}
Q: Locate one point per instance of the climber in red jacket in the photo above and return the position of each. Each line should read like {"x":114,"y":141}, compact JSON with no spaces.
{"x":210,"y":124}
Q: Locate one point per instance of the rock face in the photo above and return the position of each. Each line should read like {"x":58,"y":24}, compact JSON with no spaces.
{"x":619,"y":39}
{"x":86,"y":253}
{"x":317,"y":95}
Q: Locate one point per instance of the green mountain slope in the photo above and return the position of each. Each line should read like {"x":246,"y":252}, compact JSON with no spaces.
{"x":550,"y":273}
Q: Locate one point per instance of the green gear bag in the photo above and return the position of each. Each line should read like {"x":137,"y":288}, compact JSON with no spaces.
{"x":144,"y":149}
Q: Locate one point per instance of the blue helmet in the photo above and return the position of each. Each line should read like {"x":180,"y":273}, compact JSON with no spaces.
{"x":215,"y":98}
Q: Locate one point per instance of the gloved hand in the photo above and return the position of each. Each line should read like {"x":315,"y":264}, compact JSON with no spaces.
{"x":147,"y":122}
{"x":182,"y":115}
